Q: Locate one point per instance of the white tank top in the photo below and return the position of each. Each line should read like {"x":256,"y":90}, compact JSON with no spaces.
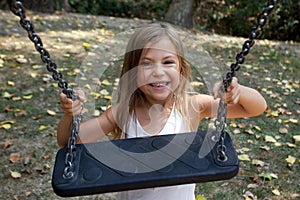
{"x":174,"y":124}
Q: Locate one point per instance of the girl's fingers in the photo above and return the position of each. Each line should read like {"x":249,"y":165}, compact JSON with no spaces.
{"x":70,"y":107}
{"x":232,"y":94}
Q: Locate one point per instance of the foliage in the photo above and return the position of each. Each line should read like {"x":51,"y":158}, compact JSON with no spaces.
{"x":228,"y":17}
{"x":123,"y":8}
{"x":236,"y":17}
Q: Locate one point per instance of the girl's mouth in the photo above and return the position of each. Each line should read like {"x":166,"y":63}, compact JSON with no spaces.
{"x":159,"y":85}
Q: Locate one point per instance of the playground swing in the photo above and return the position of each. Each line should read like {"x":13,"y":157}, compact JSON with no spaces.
{"x":78,"y":170}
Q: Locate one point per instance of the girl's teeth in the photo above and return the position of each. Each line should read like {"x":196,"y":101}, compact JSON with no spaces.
{"x":159,"y":84}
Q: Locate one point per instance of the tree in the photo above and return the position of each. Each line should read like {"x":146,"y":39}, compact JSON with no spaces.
{"x":180,"y":13}
{"x":45,"y":5}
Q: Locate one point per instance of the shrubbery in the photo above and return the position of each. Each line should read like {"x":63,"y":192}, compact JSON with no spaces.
{"x":146,"y":9}
{"x":237,"y":17}
{"x":221,"y":16}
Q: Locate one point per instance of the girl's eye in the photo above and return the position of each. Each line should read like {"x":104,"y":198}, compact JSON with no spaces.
{"x":147,"y":64}
{"x":169,"y":62}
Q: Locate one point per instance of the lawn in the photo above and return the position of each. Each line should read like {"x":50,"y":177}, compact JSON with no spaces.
{"x":268,"y":145}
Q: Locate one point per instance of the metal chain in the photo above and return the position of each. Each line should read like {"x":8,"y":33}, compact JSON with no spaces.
{"x":256,"y":32}
{"x":17,"y":8}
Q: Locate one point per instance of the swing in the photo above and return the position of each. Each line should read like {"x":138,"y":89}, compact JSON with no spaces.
{"x":78,"y":170}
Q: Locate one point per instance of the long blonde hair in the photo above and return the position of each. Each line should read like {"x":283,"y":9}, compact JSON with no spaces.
{"x":128,"y":92}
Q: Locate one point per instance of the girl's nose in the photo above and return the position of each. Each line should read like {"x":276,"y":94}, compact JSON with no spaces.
{"x":158,"y":70}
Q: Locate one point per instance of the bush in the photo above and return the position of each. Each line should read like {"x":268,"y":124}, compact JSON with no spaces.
{"x":220,"y":16}
{"x":237,"y":17}
{"x":146,"y":9}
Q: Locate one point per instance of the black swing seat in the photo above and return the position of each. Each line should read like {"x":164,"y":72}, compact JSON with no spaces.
{"x":94,"y":176}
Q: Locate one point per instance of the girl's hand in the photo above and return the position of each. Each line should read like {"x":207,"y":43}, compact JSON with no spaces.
{"x":232,"y":94}
{"x":70,"y":107}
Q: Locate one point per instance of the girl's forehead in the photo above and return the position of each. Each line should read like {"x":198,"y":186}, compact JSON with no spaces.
{"x":163,"y":45}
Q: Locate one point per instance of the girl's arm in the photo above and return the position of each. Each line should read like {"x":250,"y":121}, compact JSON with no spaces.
{"x":242,"y":102}
{"x":89,"y":131}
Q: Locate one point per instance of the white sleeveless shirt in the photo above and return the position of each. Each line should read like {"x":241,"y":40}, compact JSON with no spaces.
{"x":174,"y":124}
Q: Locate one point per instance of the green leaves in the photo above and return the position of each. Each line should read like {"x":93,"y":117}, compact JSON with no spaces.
{"x":268,"y":176}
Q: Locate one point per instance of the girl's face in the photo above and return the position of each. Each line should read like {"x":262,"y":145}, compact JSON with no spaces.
{"x":159,"y":71}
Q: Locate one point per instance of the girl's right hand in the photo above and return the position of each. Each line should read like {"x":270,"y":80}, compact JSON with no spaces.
{"x":70,"y":107}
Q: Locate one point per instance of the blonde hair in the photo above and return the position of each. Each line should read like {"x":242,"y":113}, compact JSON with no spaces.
{"x":128,"y":92}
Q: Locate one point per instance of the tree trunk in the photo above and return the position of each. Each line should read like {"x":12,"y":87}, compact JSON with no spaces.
{"x":180,"y":13}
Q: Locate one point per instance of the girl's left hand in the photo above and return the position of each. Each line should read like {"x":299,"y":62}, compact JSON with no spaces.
{"x":232,"y":94}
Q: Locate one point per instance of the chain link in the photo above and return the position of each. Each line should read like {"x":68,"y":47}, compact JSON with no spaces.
{"x":18,"y":9}
{"x":256,"y":32}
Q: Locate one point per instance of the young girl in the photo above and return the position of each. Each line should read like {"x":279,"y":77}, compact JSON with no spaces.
{"x":152,"y":99}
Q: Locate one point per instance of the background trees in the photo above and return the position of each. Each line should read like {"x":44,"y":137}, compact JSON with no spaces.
{"x":219,"y":16}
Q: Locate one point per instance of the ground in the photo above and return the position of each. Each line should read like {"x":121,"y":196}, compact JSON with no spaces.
{"x":268,"y":145}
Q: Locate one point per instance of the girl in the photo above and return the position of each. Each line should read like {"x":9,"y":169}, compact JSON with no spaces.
{"x":152,"y":99}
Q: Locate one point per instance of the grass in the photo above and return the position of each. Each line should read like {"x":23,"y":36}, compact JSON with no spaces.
{"x":272,"y":67}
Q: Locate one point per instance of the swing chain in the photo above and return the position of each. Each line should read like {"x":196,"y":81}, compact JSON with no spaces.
{"x":256,"y":32}
{"x":17,"y":8}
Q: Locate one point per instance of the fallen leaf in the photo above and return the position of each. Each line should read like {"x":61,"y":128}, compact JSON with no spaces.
{"x":14,"y":157}
{"x":200,"y":197}
{"x":283,"y":130}
{"x":295,"y":121}
{"x":95,"y":95}
{"x":268,"y":176}
{"x":5,"y":126}
{"x":252,"y":186}
{"x":236,"y":131}
{"x":196,"y":84}
{"x":106,"y":82}
{"x":36,"y":66}
{"x":7,"y":144}
{"x":269,"y":138}
{"x":242,"y":125}
{"x":42,"y":127}
{"x":10,"y":83}
{"x":290,"y":160}
{"x":27,"y":194}
{"x":277,"y":144}
{"x":246,"y":149}
{"x":7,"y":95}
{"x":51,"y":113}
{"x":16,"y":98}
{"x":291,"y":145}
{"x":244,"y":157}
{"x":27,"y":97}
{"x":296,"y":138}
{"x":249,"y":131}
{"x":33,"y":75}
{"x":21,"y":60}
{"x":258,"y":162}
{"x":257,"y":128}
{"x":107,"y":97}
{"x":276,"y":192}
{"x":86,"y":45}
{"x":249,"y":196}
{"x":267,"y":148}
{"x":255,"y":179}
{"x":104,"y":92}
{"x":96,"y":113}
{"x":15,"y":174}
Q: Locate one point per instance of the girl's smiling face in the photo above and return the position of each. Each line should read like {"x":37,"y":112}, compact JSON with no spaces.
{"x":159,"y":71}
